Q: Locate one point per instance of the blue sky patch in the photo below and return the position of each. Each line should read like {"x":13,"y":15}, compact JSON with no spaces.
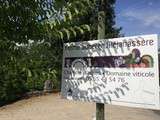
{"x":137,"y":17}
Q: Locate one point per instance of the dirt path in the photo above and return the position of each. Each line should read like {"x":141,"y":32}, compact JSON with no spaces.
{"x":51,"y":107}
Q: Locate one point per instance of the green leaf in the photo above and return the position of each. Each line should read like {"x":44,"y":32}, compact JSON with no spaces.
{"x":29,"y":73}
{"x":76,"y":10}
{"x":73,"y":31}
{"x":79,"y":29}
{"x":23,"y":69}
{"x":65,"y":18}
{"x":67,"y":33}
{"x":69,"y":15}
{"x":54,"y":23}
{"x":58,"y":22}
{"x":61,"y":34}
{"x":87,"y":27}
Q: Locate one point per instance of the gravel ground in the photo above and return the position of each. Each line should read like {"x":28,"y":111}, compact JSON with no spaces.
{"x":52,"y":107}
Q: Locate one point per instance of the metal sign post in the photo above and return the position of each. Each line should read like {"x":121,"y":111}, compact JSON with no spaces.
{"x":100,"y":107}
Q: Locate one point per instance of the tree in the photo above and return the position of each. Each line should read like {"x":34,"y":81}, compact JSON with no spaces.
{"x":22,"y":21}
{"x":48,"y":24}
{"x":111,"y":30}
{"x":80,"y":23}
{"x":18,"y":24}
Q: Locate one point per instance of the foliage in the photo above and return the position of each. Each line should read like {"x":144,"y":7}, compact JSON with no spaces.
{"x":39,"y":66}
{"x":12,"y":80}
{"x":18,"y":24}
{"x":32,"y":33}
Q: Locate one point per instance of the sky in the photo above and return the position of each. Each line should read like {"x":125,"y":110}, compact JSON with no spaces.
{"x":138,"y":17}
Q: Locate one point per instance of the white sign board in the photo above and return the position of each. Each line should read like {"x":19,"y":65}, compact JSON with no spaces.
{"x":120,"y":71}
